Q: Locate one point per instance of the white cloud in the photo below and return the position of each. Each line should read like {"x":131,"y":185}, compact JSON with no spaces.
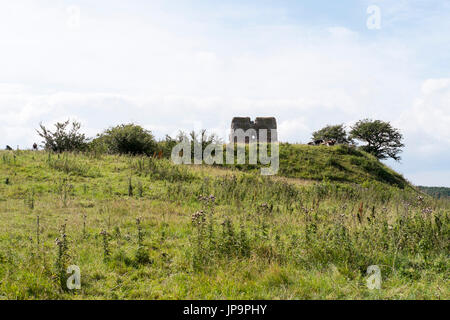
{"x":429,"y":118}
{"x":431,"y":86}
{"x":294,"y":128}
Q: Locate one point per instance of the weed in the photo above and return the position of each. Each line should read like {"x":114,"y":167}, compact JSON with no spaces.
{"x":106,"y":251}
{"x":62,"y":258}
{"x":130,"y":187}
{"x":142,"y":256}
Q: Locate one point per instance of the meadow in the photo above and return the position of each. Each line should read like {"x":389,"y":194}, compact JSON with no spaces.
{"x":144,"y":228}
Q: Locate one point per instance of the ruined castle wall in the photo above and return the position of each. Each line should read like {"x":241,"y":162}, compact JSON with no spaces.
{"x":245,"y":124}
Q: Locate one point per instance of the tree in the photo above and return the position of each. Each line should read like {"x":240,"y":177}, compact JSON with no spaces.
{"x":336,"y":132}
{"x":63,"y":139}
{"x":127,"y":139}
{"x":383,"y":141}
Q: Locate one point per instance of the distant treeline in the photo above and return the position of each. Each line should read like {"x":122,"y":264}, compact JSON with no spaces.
{"x":437,"y":192}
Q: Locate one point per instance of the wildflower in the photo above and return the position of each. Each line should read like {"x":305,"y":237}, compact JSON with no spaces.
{"x":198,"y":217}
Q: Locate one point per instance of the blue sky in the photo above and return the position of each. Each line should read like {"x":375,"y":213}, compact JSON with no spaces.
{"x":171,"y":65}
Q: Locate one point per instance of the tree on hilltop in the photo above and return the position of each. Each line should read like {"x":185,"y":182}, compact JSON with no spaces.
{"x":382,"y":140}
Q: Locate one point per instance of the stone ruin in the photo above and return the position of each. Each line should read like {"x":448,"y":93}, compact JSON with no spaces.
{"x":253,"y":135}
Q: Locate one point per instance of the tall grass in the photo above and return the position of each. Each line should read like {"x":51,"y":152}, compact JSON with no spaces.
{"x":242,"y":234}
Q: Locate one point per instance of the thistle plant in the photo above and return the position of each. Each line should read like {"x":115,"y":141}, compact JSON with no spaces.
{"x":130,"y":187}
{"x":84,"y":226}
{"x":263,"y":214}
{"x":244,"y":243}
{"x":37,"y":229}
{"x":228,"y":243}
{"x":106,"y":251}
{"x":59,"y":264}
{"x":140,"y":236}
{"x":62,"y":257}
{"x":200,"y":251}
{"x":208,"y":215}
{"x":140,"y":189}
{"x":142,"y":255}
{"x":30,"y":200}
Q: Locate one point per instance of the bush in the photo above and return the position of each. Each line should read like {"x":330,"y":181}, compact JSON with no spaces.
{"x":166,"y":146}
{"x":336,"y":132}
{"x":62,"y":139}
{"x":126,"y":139}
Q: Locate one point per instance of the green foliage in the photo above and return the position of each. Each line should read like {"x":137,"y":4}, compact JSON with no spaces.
{"x":63,"y":139}
{"x":166,"y":146}
{"x":382,"y":140}
{"x":330,"y":132}
{"x":126,"y":139}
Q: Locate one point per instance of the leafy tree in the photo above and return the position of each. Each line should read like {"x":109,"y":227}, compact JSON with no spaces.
{"x":63,"y":139}
{"x":383,"y":141}
{"x":127,"y":139}
{"x":330,"y":132}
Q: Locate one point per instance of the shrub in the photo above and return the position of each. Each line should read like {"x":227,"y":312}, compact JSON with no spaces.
{"x":166,"y":146}
{"x":126,"y":139}
{"x":62,"y":139}
{"x":336,"y":132}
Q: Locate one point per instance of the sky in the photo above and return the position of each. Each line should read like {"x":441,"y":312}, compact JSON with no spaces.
{"x":183,"y":65}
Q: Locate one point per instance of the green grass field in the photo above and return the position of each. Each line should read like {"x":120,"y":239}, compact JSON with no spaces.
{"x":141,"y":228}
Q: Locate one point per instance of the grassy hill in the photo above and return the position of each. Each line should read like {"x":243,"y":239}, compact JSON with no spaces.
{"x":141,"y":228}
{"x":339,"y":163}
